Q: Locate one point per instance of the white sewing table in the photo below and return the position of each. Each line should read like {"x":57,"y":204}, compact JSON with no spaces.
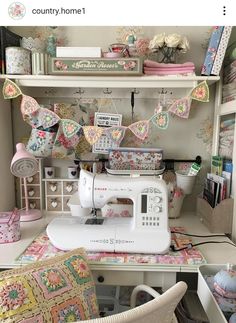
{"x":130,"y":274}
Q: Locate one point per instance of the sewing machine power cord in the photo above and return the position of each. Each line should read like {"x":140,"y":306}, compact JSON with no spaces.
{"x":191,"y":245}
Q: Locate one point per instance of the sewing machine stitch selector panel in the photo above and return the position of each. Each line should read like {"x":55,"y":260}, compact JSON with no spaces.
{"x":151,"y":208}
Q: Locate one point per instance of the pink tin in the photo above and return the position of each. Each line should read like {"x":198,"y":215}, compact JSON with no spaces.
{"x":9,"y":226}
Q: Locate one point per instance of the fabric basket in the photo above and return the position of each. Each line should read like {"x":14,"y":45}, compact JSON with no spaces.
{"x":9,"y":226}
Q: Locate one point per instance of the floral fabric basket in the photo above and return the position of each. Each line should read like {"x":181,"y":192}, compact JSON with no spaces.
{"x":135,"y":158}
{"x":9,"y":226}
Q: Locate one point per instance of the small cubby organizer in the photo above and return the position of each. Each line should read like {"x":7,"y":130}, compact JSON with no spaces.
{"x":58,"y":192}
{"x":34,"y":189}
{"x":219,"y":218}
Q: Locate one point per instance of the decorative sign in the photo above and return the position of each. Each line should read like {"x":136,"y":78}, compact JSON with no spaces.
{"x":98,"y":66}
{"x":106,"y":120}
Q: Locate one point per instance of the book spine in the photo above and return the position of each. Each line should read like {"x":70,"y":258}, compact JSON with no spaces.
{"x":221,"y":50}
{"x":212,"y":50}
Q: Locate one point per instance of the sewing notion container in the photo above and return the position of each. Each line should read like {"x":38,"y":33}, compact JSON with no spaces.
{"x":135,"y":158}
{"x":217,"y":308}
{"x":18,"y":61}
{"x":9,"y":226}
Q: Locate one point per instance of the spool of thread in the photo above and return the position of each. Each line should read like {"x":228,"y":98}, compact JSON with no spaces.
{"x":39,"y":63}
{"x":18,"y":61}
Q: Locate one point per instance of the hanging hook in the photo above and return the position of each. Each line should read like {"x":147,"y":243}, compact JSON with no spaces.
{"x":50,"y":92}
{"x":107,"y":91}
{"x":80,"y":91}
{"x":135,"y":91}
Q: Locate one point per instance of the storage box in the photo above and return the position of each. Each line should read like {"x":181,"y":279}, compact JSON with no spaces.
{"x":95,"y":66}
{"x":9,"y":226}
{"x":211,"y":301}
{"x":135,"y":158}
{"x":218,"y":219}
{"x":78,"y":52}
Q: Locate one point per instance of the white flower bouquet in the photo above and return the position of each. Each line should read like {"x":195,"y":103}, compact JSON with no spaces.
{"x":169,"y":46}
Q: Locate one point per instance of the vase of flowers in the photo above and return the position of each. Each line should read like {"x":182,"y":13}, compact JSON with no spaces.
{"x":167,"y":47}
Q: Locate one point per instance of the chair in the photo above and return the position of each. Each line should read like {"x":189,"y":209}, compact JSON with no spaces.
{"x":159,"y":310}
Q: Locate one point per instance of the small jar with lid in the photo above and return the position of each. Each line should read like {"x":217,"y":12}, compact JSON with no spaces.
{"x":18,"y":61}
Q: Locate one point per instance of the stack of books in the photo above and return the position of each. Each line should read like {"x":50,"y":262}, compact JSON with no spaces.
{"x":216,"y":50}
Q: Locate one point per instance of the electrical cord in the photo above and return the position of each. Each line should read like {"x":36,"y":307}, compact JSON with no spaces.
{"x":190,"y":245}
{"x":200,"y":236}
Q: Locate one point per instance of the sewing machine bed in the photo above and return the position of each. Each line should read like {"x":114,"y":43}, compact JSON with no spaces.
{"x":41,"y":248}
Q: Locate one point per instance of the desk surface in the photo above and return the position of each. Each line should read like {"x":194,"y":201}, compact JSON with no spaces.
{"x":213,"y":253}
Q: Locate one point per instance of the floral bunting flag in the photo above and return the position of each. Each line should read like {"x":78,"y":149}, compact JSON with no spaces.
{"x":28,"y":105}
{"x":92,"y":133}
{"x":33,"y":119}
{"x":116,"y":134}
{"x":140,"y":129}
{"x":70,"y":127}
{"x":181,"y":107}
{"x":200,"y":92}
{"x":10,"y":90}
{"x":47,"y":118}
{"x":161,"y":120}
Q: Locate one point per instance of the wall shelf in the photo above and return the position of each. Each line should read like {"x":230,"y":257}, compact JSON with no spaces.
{"x":228,"y":107}
{"x":110,"y":81}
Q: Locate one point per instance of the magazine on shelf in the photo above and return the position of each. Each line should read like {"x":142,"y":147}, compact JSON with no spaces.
{"x":223,"y":185}
{"x":211,"y":192}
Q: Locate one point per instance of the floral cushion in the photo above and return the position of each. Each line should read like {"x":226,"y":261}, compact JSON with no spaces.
{"x":60,"y":289}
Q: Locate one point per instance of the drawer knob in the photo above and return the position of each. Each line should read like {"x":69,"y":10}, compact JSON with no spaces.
{"x":100,"y":279}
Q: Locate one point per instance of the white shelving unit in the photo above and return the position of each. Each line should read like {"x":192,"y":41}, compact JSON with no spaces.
{"x":223,"y":110}
{"x":110,"y":81}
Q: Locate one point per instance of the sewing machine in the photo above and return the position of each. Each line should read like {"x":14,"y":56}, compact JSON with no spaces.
{"x":146,"y":232}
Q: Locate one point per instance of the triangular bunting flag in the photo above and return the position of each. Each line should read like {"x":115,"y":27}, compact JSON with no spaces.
{"x":47,"y":118}
{"x":92,"y":133}
{"x":116,"y":134}
{"x":140,"y":129}
{"x":70,"y":127}
{"x":181,"y":107}
{"x":161,"y":120}
{"x":10,"y":90}
{"x":200,"y":92}
{"x":28,"y":105}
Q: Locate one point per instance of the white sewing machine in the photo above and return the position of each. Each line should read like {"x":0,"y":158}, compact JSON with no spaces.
{"x":146,"y":232}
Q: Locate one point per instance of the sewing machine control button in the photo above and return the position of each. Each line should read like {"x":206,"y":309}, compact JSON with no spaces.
{"x":157,"y":199}
{"x":157,"y":209}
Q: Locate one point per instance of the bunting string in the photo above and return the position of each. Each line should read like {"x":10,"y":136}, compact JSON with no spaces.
{"x":37,"y":116}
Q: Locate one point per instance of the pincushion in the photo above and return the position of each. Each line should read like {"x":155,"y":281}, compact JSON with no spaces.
{"x":232,"y":318}
{"x":225,"y":283}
